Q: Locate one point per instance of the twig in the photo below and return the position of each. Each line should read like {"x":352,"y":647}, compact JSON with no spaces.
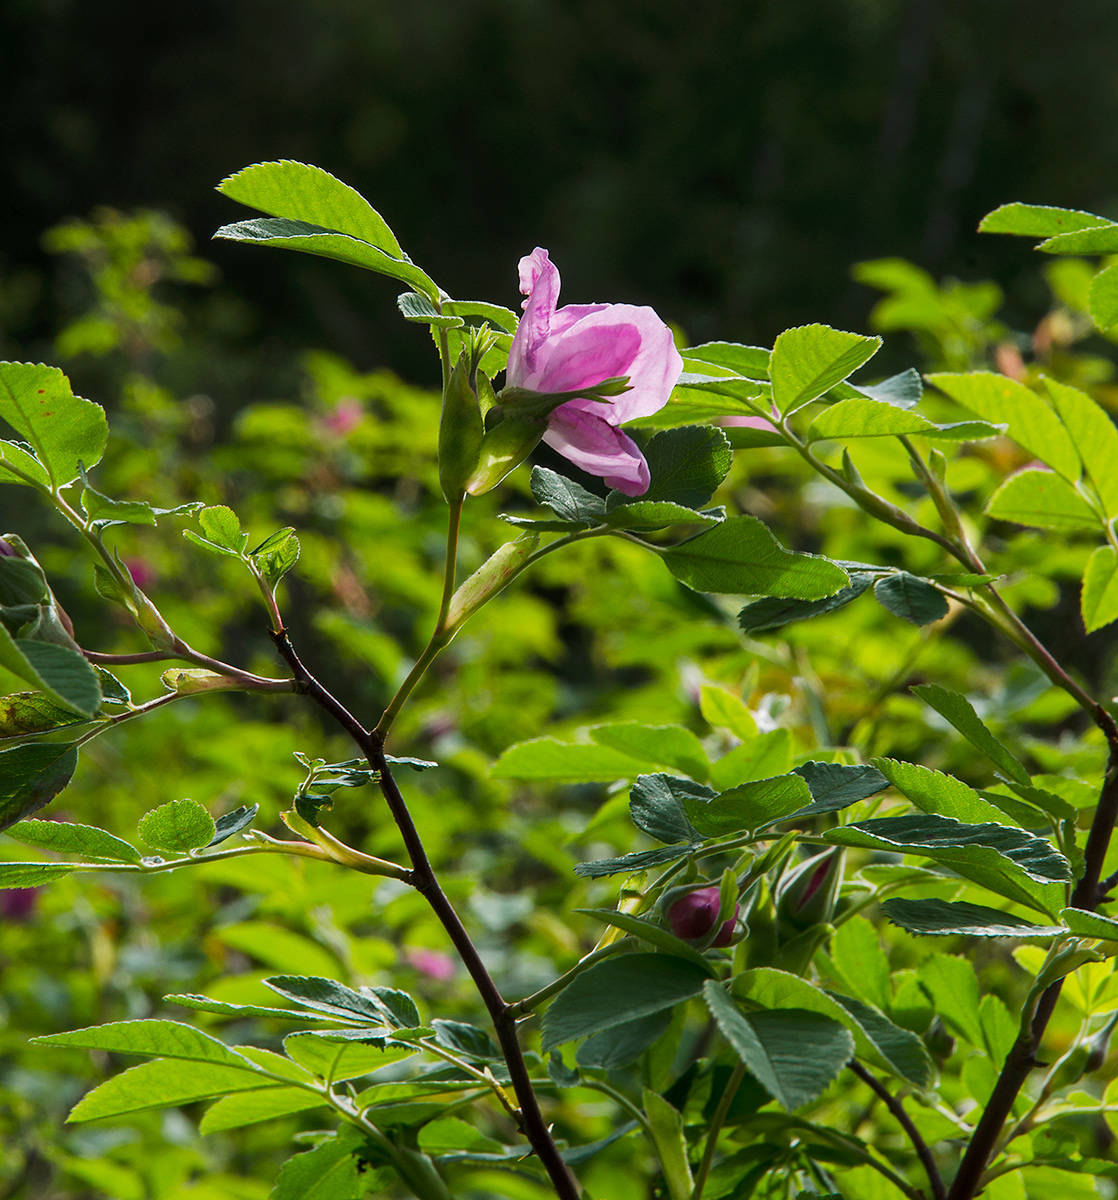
{"x":422,"y":877}
{"x":893,"y":1104}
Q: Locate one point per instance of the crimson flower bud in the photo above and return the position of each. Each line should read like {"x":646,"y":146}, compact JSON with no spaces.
{"x":693,"y":915}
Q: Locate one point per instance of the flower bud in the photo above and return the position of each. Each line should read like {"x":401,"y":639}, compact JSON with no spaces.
{"x":505,"y":446}
{"x":692,"y":916}
{"x":808,"y":893}
{"x":491,"y":577}
{"x":7,"y":550}
{"x":460,"y":431}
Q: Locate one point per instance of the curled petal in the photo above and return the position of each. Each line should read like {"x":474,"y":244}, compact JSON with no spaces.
{"x":598,"y":448}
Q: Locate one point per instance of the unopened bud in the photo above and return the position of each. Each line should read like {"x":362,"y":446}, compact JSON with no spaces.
{"x":808,"y":893}
{"x":692,"y":916}
{"x":504,"y":448}
{"x":7,"y":550}
{"x":491,"y":577}
{"x":460,"y":432}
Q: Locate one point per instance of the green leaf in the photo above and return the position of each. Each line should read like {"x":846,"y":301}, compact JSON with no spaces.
{"x":224,"y":1009}
{"x":330,"y":1171}
{"x":249,"y":1108}
{"x":751,"y":362}
{"x":569,"y":501}
{"x":934,"y":792}
{"x":942,"y":918}
{"x":793,"y":1053}
{"x":856,"y":953}
{"x":307,"y":193}
{"x":104,"y":511}
{"x":1102,"y":300}
{"x":23,"y":713}
{"x":762,"y":757}
{"x":618,"y":990}
{"x":866,"y":418}
{"x":1037,"y":220}
{"x":1009,"y":861}
{"x":911,"y":598}
{"x":233,"y":822}
{"x":960,"y":713}
{"x":723,"y":708}
{"x":656,"y":514}
{"x":167,"y":1039}
{"x":467,"y":1040}
{"x":31,"y":776}
{"x":1090,"y":924}
{"x":416,"y":307}
{"x":656,"y":805}
{"x":19,"y":465}
{"x":548,"y":758}
{"x":221,"y":527}
{"x":741,"y":556}
{"x":63,"y":675}
{"x":496,"y":316}
{"x":771,"y":613}
{"x":620,"y":1046}
{"x":275,"y":556}
{"x":953,"y":986}
{"x":640,"y":860}
{"x":667,"y":745}
{"x":337,"y":1059}
{"x":63,"y":431}
{"x":748,"y":807}
{"x":279,"y":948}
{"x":809,"y":360}
{"x":1041,"y":499}
{"x":1095,"y":437}
{"x":64,"y":838}
{"x":330,"y":997}
{"x":686,"y":466}
{"x":666,"y":1124}
{"x":163,"y":1083}
{"x":25,"y":875}
{"x":22,"y":582}
{"x":745,"y":437}
{"x":178,"y":826}
{"x":1099,"y":602}
{"x":1101,"y":238}
{"x":903,"y":390}
{"x":648,"y":931}
{"x":314,"y":239}
{"x":835,"y":786}
{"x":1029,"y":421}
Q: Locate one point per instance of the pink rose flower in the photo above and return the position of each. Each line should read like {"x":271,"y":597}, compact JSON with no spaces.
{"x":579,"y":347}
{"x":693,"y":915}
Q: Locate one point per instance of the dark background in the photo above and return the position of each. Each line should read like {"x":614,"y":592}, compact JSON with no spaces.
{"x":725,"y":161}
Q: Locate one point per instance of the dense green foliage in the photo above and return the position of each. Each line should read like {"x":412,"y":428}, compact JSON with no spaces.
{"x":607,"y":729}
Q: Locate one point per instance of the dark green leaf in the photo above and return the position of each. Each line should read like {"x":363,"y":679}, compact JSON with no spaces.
{"x":22,"y":582}
{"x":910,"y":598}
{"x":771,"y":613}
{"x":639,"y":860}
{"x":655,"y":935}
{"x":398,"y":1006}
{"x":23,"y":713}
{"x":1037,"y":220}
{"x":749,"y":806}
{"x":569,"y":501}
{"x":64,"y":838}
{"x":656,"y":805}
{"x":31,"y":776}
{"x":25,"y":875}
{"x":225,"y":1009}
{"x":619,"y":990}
{"x":941,"y":918}
{"x":960,"y":713}
{"x":623,"y":1044}
{"x":900,"y":1048}
{"x":167,"y":1039}
{"x":62,"y":430}
{"x":741,"y":556}
{"x":466,"y":1040}
{"x":233,"y":822}
{"x":686,"y":466}
{"x":416,"y":764}
{"x":835,"y":786}
{"x":903,"y":389}
{"x":177,"y":826}
{"x":793,"y":1053}
{"x":328,"y":996}
{"x":62,"y":674}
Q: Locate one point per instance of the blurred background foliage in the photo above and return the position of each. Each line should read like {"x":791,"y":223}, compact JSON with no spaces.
{"x":728,"y":166}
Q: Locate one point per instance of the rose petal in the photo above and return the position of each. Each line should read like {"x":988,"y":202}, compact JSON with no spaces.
{"x":598,"y":448}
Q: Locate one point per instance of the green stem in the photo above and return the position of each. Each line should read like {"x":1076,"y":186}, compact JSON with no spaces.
{"x":624,"y":1102}
{"x":521,"y":1008}
{"x":717,"y":1121}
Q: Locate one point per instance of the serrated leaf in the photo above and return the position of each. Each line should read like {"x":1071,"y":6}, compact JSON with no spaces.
{"x":275,"y":556}
{"x":934,"y":792}
{"x":63,"y":675}
{"x":249,"y":1108}
{"x":233,"y":822}
{"x":741,"y":556}
{"x":1041,"y":499}
{"x":793,"y":1053}
{"x":64,"y":838}
{"x":1028,"y":420}
{"x":23,"y":713}
{"x":1090,"y":924}
{"x":835,"y":786}
{"x":748,"y":807}
{"x":32,"y":874}
{"x":807,"y":361}
{"x":178,"y":826}
{"x":1099,"y":600}
{"x":314,"y":239}
{"x":639,"y":860}
{"x":771,"y":613}
{"x":903,"y":390}
{"x":328,"y":996}
{"x":337,"y":1059}
{"x":665,"y":1123}
{"x":619,"y":990}
{"x":62,"y":430}
{"x":1095,"y":437}
{"x":224,"y":1009}
{"x":1007,"y":860}
{"x":569,"y":501}
{"x":103,"y":510}
{"x":414,"y":306}
{"x":221,"y":527}
{"x":650,"y":932}
{"x":328,"y":1172}
{"x":959,"y":711}
{"x":1037,"y":220}
{"x":1101,"y":238}
{"x":656,"y":514}
{"x":666,"y":745}
{"x":547,"y":758}
{"x":943,"y":918}
{"x":465,"y":1039}
{"x":163,"y":1083}
{"x":861,"y":963}
{"x":953,"y":986}
{"x":31,"y":776}
{"x":686,"y":466}
{"x":496,"y":316}
{"x":19,"y":465}
{"x":866,"y":418}
{"x":167,"y":1039}
{"x":656,"y":806}
{"x":911,"y":598}
{"x":751,"y":362}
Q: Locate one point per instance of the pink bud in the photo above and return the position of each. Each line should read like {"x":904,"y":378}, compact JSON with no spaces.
{"x":693,"y":915}
{"x":7,"y":550}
